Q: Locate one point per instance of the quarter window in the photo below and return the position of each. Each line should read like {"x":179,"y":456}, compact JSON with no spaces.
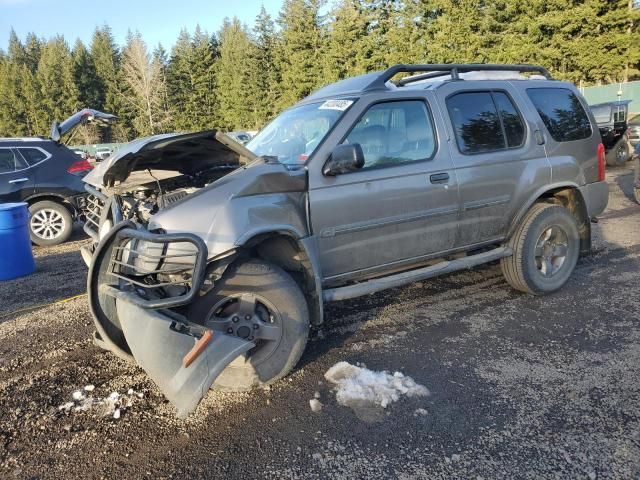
{"x":8,"y":161}
{"x":561,"y":112}
{"x":394,"y":133}
{"x":32,"y":155}
{"x":485,"y":122}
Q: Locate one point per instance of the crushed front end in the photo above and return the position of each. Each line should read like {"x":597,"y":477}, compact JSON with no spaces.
{"x":137,"y":281}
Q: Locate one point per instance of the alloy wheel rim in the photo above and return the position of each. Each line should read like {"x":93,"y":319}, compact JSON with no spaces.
{"x":551,"y":251}
{"x":47,"y":224}
{"x":250,"y":317}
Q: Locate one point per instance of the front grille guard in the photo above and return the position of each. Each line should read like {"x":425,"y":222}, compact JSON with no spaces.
{"x":133,"y":282}
{"x":95,"y":203}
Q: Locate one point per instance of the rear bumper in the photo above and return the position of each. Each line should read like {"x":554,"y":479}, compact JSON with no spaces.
{"x":596,"y":197}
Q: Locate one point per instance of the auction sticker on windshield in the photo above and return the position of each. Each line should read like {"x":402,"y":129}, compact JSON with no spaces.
{"x":341,"y":105}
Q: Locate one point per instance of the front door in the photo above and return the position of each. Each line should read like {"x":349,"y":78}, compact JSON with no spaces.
{"x":402,"y":205}
{"x":16,"y":181}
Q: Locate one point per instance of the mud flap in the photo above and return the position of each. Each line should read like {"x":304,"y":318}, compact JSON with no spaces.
{"x":161,"y":352}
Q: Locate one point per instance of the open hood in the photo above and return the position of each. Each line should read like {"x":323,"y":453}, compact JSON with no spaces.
{"x":189,"y":154}
{"x":87,"y":115}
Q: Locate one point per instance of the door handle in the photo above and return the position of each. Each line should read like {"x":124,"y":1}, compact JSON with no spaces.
{"x":439,"y":178}
{"x":19,"y":180}
{"x":539,"y":137}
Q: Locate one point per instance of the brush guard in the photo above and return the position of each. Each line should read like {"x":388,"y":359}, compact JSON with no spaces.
{"x":183,"y":358}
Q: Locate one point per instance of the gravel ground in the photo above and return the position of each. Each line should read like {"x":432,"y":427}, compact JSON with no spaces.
{"x":520,"y":386}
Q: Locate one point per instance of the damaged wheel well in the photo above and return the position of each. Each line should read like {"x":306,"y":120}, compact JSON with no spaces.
{"x":284,"y":250}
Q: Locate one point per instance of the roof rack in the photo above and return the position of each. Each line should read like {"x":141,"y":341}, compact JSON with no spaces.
{"x":454,"y":69}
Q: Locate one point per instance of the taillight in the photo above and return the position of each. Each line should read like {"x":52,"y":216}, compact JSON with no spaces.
{"x":601,"y":162}
{"x":81,"y":166}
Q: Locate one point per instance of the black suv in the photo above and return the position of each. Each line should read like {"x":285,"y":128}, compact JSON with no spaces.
{"x":611,"y":118}
{"x":48,"y":176}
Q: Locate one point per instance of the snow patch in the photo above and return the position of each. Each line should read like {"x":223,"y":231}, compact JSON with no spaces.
{"x":111,"y":406}
{"x":315,"y":405}
{"x":358,"y":386}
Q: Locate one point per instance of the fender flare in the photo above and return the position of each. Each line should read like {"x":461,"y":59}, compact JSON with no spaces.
{"x":306,"y":243}
{"x":534,"y":198}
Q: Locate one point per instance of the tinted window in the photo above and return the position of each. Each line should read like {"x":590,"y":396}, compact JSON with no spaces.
{"x":513,"y":126}
{"x":561,"y":112}
{"x":393,"y":133}
{"x":32,"y":155}
{"x":476,"y":123}
{"x":8,"y":161}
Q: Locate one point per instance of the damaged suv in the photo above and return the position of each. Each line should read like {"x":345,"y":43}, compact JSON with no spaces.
{"x":211,"y":260}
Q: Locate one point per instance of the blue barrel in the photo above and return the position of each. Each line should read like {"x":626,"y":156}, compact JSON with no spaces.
{"x":16,"y":258}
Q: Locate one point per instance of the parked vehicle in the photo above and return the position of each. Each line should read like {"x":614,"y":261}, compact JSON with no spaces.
{"x":102,"y":153}
{"x":47,"y":175}
{"x":612,"y":123}
{"x":81,"y":153}
{"x":634,"y":130}
{"x":215,"y":273}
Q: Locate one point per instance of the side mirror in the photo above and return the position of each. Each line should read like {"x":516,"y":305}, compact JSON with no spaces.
{"x":344,"y":159}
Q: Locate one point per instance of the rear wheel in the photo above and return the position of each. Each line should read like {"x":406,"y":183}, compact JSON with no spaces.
{"x":261,"y":303}
{"x":546,"y":247}
{"x":50,"y":223}
{"x":618,"y":155}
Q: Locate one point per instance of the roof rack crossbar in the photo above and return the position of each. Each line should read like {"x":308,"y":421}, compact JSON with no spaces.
{"x":454,"y":69}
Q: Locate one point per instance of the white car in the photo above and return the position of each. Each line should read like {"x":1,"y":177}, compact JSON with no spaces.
{"x":102,"y":153}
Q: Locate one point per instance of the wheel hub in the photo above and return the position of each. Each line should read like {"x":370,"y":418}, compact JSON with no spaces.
{"x":551,"y":250}
{"x":247,"y":317}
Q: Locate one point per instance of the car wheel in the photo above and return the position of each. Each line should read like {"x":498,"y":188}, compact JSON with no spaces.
{"x":50,"y":223}
{"x":261,"y":303}
{"x":546,"y":246}
{"x":618,"y":155}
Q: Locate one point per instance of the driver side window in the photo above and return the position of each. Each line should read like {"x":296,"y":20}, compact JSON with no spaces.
{"x":394,"y":133}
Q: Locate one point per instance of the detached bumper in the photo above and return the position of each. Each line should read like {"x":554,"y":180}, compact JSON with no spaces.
{"x":131,"y":316}
{"x":182,"y":359}
{"x":596,"y":197}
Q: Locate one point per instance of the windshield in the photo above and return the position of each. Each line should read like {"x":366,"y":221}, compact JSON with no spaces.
{"x":294,"y":134}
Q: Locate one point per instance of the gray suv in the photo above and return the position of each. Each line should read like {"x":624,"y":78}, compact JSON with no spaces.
{"x":212,"y":260}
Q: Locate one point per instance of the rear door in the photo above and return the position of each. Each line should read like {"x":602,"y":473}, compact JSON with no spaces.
{"x":16,"y":179}
{"x":497,"y":151}
{"x":400,"y":206}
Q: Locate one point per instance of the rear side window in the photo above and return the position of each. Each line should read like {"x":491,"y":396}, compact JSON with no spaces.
{"x":485,"y":122}
{"x":394,"y":133}
{"x":561,"y":112}
{"x":8,"y":161}
{"x":32,"y":155}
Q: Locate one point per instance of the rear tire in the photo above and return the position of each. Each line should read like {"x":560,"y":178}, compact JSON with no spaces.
{"x":546,"y":246}
{"x":50,"y":223}
{"x":279,"y":302}
{"x":618,"y":155}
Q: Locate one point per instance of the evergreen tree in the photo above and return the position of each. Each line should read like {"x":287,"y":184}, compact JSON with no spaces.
{"x":347,"y":49}
{"x":233,"y":73}
{"x":299,"y":50}
{"x":264,"y":77}
{"x":106,"y":60}
{"x":58,"y":91}
{"x":86,"y":77}
{"x":191,"y":81}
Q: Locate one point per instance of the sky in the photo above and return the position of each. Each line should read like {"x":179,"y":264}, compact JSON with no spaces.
{"x":158,"y":21}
